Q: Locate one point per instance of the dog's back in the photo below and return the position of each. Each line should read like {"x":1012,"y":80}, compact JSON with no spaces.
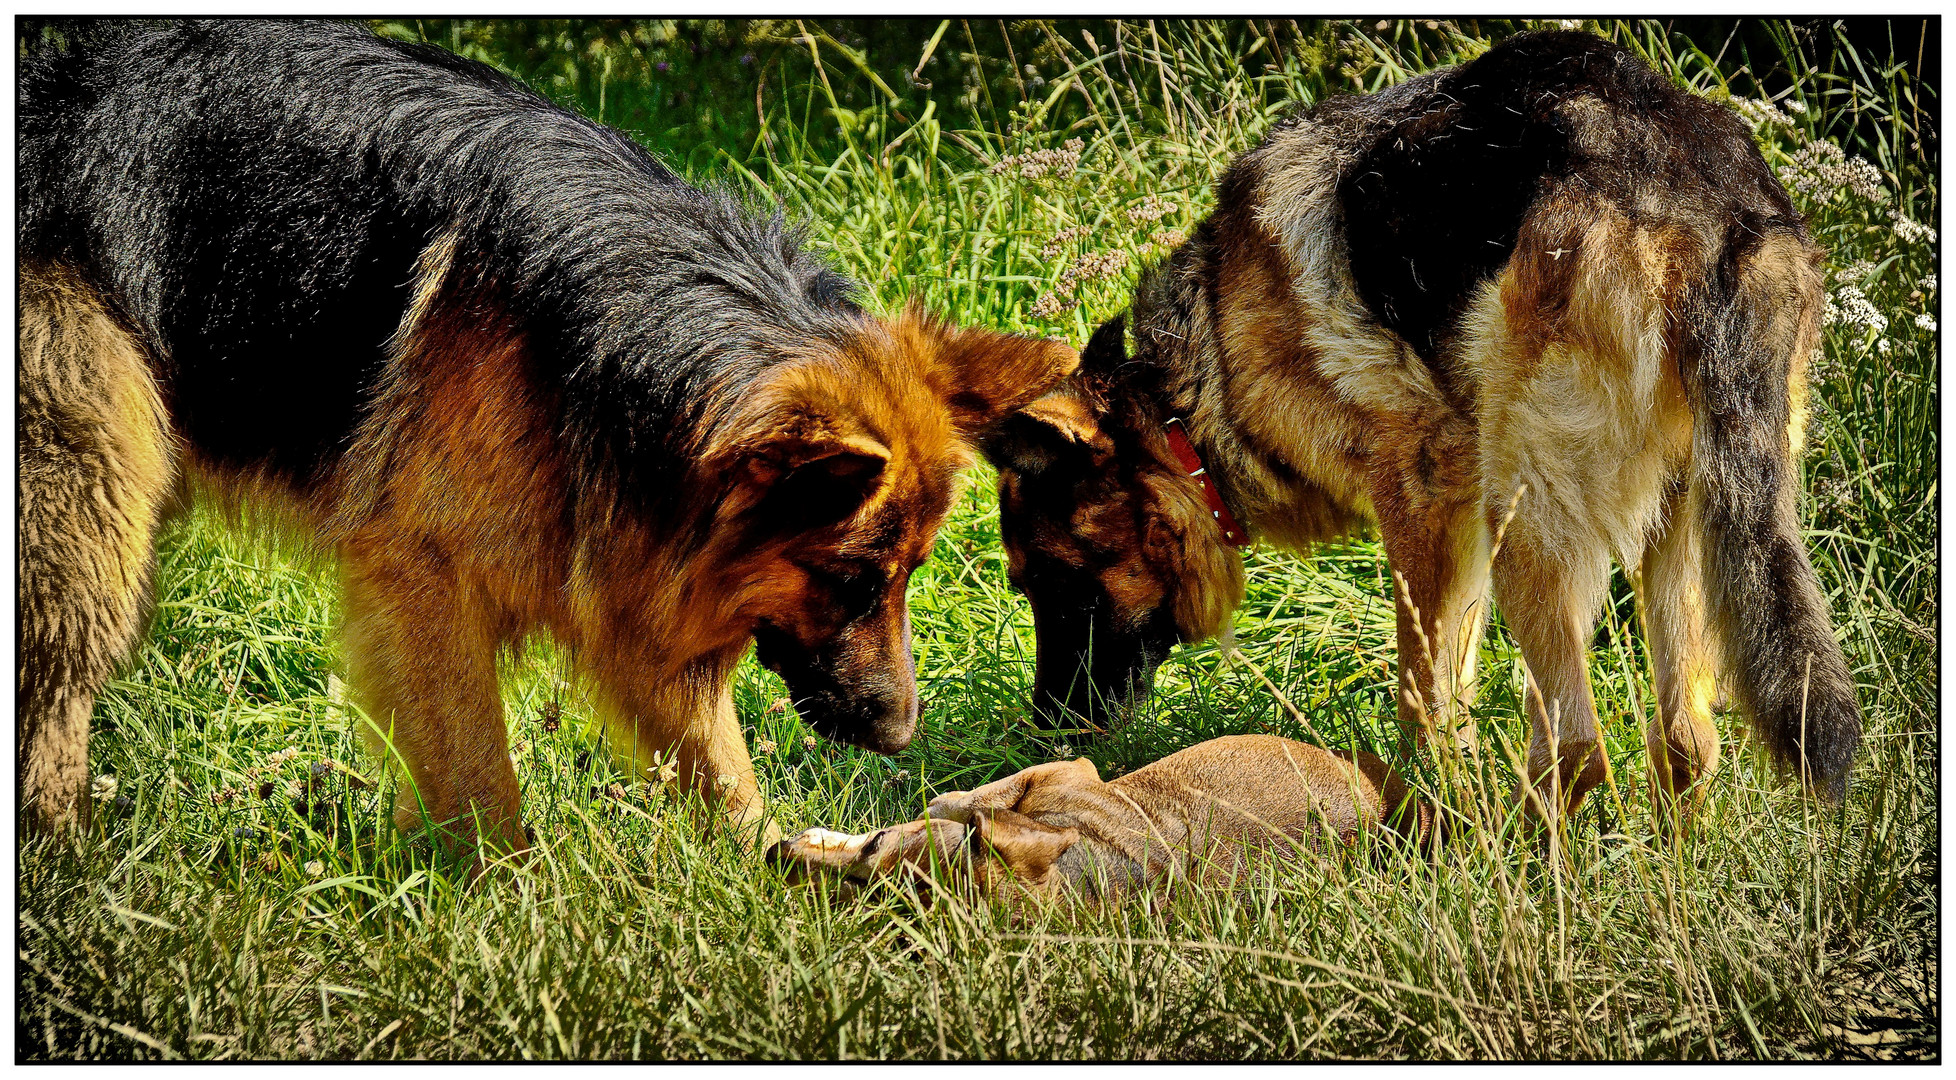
{"x":257,"y":201}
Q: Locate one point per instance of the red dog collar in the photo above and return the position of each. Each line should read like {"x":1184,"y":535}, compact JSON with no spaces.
{"x":1178,"y":441}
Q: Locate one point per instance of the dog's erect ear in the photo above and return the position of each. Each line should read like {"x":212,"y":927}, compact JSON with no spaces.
{"x":1028,"y":848}
{"x":1106,"y":350}
{"x":1057,"y":430}
{"x":984,"y":375}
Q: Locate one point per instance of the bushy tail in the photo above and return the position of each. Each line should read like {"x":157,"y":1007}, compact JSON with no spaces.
{"x":1747,"y":328}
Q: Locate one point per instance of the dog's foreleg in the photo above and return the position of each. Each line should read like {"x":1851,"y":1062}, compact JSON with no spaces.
{"x":421,"y":646}
{"x":684,"y":730}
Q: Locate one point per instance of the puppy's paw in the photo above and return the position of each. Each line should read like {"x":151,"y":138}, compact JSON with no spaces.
{"x":951,"y":806}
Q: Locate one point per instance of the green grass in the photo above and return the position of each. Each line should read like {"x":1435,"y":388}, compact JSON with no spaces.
{"x":300,"y":924}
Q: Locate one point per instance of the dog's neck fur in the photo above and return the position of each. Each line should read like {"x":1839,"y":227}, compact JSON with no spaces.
{"x":1171,"y":372}
{"x":1175,"y":367}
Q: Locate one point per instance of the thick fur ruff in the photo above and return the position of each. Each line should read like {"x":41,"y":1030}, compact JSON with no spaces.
{"x":504,"y":365}
{"x":1545,"y":279}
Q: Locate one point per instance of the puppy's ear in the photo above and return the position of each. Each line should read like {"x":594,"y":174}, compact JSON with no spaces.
{"x":983,"y":375}
{"x":1054,"y":432}
{"x":1026,"y":847}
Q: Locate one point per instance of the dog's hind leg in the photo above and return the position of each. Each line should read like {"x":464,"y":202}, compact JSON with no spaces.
{"x":421,"y":646}
{"x":1680,"y":739}
{"x":96,"y":472}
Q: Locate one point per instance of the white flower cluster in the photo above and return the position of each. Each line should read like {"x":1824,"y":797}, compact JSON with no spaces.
{"x":1759,"y":112}
{"x":1092,"y":267}
{"x":1909,"y":231}
{"x":1855,"y":271}
{"x":1928,"y":283}
{"x":1062,"y":238}
{"x":1849,"y":306}
{"x":1034,"y":164}
{"x":1151,"y":209}
{"x":1926,"y":321}
{"x":1820,"y":169}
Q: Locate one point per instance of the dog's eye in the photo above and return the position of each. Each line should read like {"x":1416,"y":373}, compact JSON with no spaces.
{"x":853,"y":589}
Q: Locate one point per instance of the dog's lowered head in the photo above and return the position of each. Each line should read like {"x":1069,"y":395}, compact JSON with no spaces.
{"x":1107,"y":538}
{"x":841,"y":469}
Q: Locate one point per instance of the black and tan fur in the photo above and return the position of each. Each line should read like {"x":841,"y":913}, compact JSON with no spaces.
{"x":506,"y":368}
{"x":1201,"y":817}
{"x":1546,"y":278}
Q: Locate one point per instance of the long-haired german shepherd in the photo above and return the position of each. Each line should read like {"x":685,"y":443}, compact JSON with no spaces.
{"x":1545,"y":279}
{"x":514,"y":375}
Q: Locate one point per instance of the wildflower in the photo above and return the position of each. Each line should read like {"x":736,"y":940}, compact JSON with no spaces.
{"x":1926,"y":321}
{"x":661,"y":66}
{"x":1928,"y":283}
{"x":1167,"y":238}
{"x":294,"y":789}
{"x":779,"y":705}
{"x":764,"y":746}
{"x":1796,"y":106}
{"x":617,"y":791}
{"x":1855,"y":271}
{"x":1884,"y":346}
{"x":808,"y":743}
{"x":1761,"y":112}
{"x":1151,"y":209}
{"x":668,"y":772}
{"x":314,"y":868}
{"x":1850,"y":306}
{"x":1822,"y":169}
{"x":1092,"y":267}
{"x":103,"y":788}
{"x":1064,"y":750}
{"x":266,"y":789}
{"x":1035,"y":164}
{"x":280,"y":757}
{"x":724,"y":783}
{"x":224,"y":795}
{"x":1907,"y":230}
{"x":550,"y":716}
{"x":1569,"y":24}
{"x":1062,"y":238}
{"x":1052,"y":304}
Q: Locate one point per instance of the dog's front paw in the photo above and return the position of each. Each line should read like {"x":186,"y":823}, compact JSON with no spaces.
{"x":951,"y":806}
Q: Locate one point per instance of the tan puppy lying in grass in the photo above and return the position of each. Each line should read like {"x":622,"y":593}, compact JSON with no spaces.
{"x":1202,"y":815}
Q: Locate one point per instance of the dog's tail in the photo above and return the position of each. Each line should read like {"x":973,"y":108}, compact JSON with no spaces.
{"x":1747,"y":330}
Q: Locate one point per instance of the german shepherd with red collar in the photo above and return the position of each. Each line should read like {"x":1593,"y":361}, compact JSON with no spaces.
{"x":510,"y":371}
{"x":1545,"y":280}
